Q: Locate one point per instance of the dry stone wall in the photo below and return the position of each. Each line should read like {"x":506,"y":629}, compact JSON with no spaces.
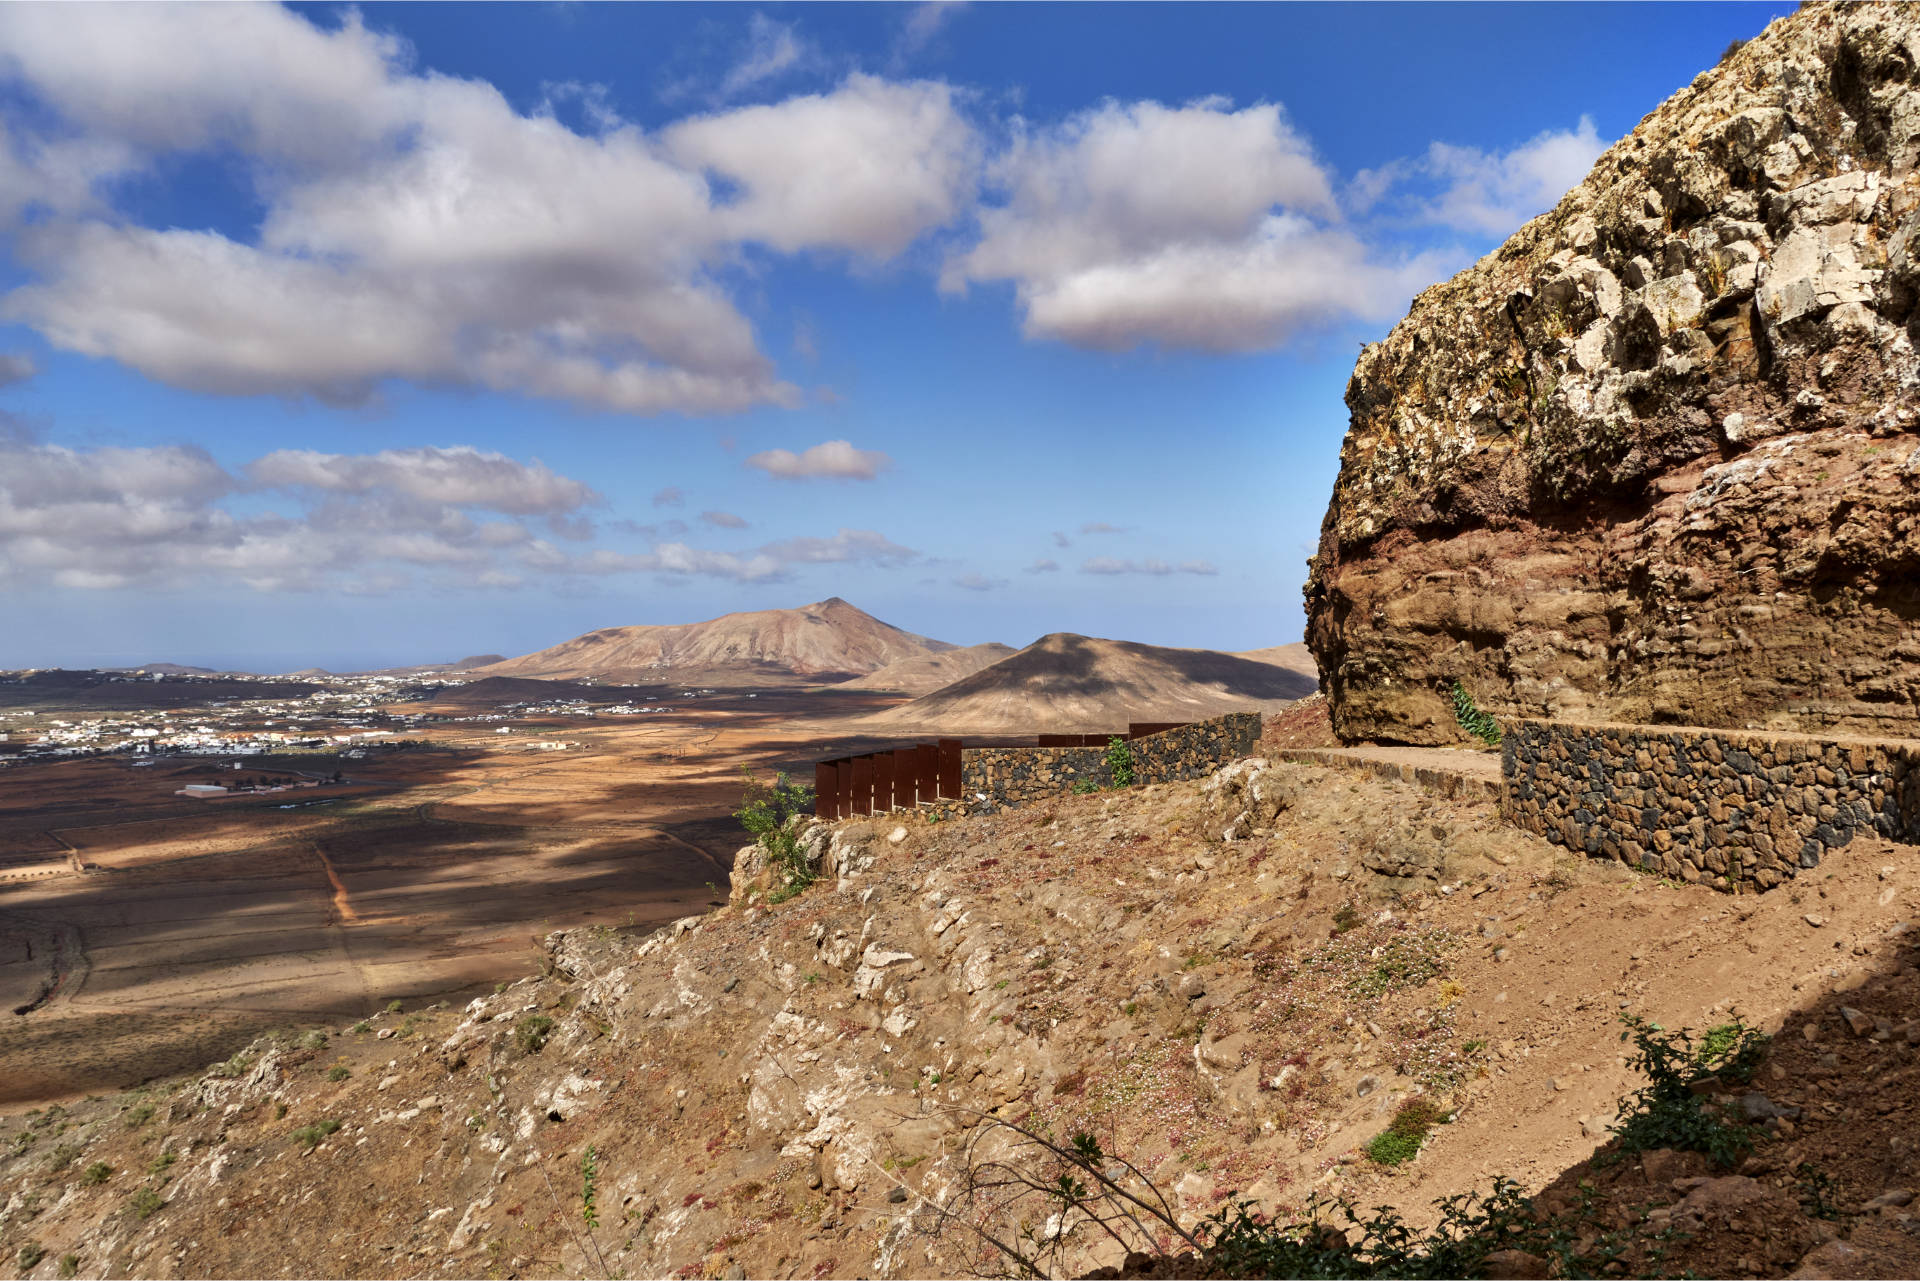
{"x":994,"y":778}
{"x":1722,"y":806}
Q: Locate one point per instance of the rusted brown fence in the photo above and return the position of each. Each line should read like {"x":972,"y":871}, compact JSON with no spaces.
{"x":927,"y":772}
{"x":883,"y":781}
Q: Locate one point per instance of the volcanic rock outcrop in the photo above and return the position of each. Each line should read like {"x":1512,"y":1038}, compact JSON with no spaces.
{"x":1654,"y":460}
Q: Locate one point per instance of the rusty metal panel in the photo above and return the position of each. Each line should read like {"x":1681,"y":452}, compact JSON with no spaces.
{"x":882,"y":782}
{"x":1060,"y":740}
{"x":928,"y":770}
{"x":906,"y":777}
{"x":862,"y":785}
{"x":843,"y":789}
{"x":950,"y":767}
{"x":823,"y":780}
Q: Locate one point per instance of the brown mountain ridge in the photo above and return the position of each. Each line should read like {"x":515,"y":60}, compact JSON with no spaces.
{"x":820,"y":641}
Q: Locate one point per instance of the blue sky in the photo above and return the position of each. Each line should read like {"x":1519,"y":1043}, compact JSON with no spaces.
{"x":360,"y":337}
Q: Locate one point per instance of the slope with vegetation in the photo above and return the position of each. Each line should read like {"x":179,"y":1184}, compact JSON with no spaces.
{"x":1370,"y":995}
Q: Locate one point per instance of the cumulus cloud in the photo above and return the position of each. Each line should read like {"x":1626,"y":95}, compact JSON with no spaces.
{"x":1195,"y":226}
{"x":16,"y":367}
{"x":167,"y":516}
{"x":671,"y":496}
{"x":457,"y":477}
{"x":418,"y":227}
{"x":1151,"y":566}
{"x":723,"y":520}
{"x":866,"y":169}
{"x":1043,"y":566}
{"x":1481,"y":192}
{"x":833,"y":459}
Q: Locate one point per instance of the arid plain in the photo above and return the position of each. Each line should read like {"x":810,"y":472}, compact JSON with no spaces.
{"x":144,"y":933}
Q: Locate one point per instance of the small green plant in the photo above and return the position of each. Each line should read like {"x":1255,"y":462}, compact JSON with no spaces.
{"x":1119,"y":761}
{"x":1346,"y":917}
{"x":69,"y":1267}
{"x":314,"y":1040}
{"x":339,"y":1072}
{"x":362,"y":1027}
{"x":30,"y":1255}
{"x":1402,"y":1140}
{"x":1472,"y":719}
{"x":531,"y":1033}
{"x":96,"y":1174}
{"x":810,"y":977}
{"x":163,"y":1162}
{"x":144,"y":1202}
{"x":589,"y":1187}
{"x":139,"y":1116}
{"x":767,"y":813}
{"x":1085,"y":787}
{"x":309,"y":1136}
{"x":394,"y":1007}
{"x":1815,"y":1186}
{"x":1668,"y":1112}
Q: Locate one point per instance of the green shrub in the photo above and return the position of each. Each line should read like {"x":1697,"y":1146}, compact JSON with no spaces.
{"x":139,"y":1116}
{"x":96,"y":1174}
{"x":314,"y":1040}
{"x":1120,"y":762}
{"x":69,"y":1266}
{"x":1085,"y":787}
{"x":766,"y":813}
{"x":30,"y":1255}
{"x":164,"y":1162}
{"x":1472,"y":719}
{"x":362,"y":1027}
{"x":1402,"y":1140}
{"x":394,"y":1007}
{"x":339,"y":1072}
{"x":309,"y":1136}
{"x":144,"y":1202}
{"x":1668,"y":1112}
{"x":531,"y":1033}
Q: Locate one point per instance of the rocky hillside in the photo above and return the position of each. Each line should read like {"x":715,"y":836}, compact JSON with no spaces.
{"x":828,"y":638}
{"x":1655,"y":459}
{"x":928,"y":672}
{"x":825,"y":1085}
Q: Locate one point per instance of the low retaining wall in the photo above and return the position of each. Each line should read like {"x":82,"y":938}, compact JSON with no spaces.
{"x":1728,"y":806}
{"x":1451,"y":784}
{"x":993,"y":778}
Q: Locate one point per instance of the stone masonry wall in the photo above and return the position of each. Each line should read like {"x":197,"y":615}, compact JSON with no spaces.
{"x":1724,"y":806}
{"x":994,"y":778}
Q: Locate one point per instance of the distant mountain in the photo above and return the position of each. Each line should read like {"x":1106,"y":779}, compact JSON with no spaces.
{"x":1065,"y":683}
{"x":170,"y":669}
{"x":929,"y":672}
{"x":769,"y":646}
{"x":1295,"y":658}
{"x":479,"y":660}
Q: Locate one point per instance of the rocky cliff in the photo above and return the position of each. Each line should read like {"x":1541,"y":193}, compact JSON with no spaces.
{"x":1655,"y":459}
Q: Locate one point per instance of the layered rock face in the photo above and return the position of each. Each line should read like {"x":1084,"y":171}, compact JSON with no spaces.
{"x":1655,"y":460}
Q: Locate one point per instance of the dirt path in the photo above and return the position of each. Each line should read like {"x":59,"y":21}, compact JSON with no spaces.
{"x":342,"y":905}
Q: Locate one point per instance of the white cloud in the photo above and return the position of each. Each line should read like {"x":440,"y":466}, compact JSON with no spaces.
{"x":1484,"y":193}
{"x":1151,"y":566}
{"x":458,"y":477}
{"x":1494,"y":193}
{"x":866,"y":168}
{"x":723,"y":520}
{"x":1193,"y":226}
{"x":671,"y":496}
{"x":1061,"y":540}
{"x":773,"y":562}
{"x":774,"y":49}
{"x":418,"y":227}
{"x":847,"y":546}
{"x":925,"y":21}
{"x":977,"y":582}
{"x":16,"y":367}
{"x":1043,"y":566}
{"x":836,"y":459}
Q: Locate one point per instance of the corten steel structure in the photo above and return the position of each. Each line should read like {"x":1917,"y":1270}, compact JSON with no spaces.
{"x":924,"y":773}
